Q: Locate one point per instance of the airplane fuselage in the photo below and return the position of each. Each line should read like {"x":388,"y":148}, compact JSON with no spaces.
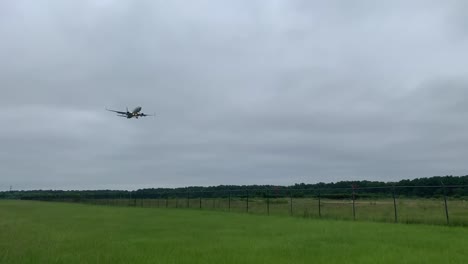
{"x":135,"y":113}
{"x":136,"y":110}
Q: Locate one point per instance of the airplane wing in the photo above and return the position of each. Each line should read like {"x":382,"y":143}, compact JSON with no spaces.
{"x":143,"y":114}
{"x":118,"y":112}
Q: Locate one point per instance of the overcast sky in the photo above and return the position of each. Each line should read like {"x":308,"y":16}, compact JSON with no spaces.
{"x":245,"y":92}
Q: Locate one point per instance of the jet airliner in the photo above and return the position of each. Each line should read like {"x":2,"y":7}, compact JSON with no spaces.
{"x":135,"y":113}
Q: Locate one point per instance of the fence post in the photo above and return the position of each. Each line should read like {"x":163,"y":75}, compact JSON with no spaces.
{"x":229,"y":203}
{"x":445,"y":201}
{"x":200,"y":199}
{"x":394,"y":204}
{"x":319,"y":205}
{"x":188,"y":199}
{"x":290,"y":203}
{"x":354,"y":198}
{"x":268,"y":203}
{"x":247,"y":203}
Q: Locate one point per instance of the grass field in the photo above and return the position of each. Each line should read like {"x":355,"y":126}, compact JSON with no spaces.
{"x":42,"y":232}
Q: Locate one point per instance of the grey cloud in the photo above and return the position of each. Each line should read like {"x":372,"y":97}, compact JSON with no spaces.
{"x":246,"y":92}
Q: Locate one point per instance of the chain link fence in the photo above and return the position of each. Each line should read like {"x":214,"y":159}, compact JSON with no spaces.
{"x":400,"y":204}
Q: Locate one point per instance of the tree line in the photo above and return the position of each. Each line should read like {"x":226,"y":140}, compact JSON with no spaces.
{"x":453,"y":186}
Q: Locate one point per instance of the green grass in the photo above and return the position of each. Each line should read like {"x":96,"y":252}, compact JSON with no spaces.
{"x":41,"y":232}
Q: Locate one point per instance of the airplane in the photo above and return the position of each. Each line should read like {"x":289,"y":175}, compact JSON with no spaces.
{"x":135,"y":113}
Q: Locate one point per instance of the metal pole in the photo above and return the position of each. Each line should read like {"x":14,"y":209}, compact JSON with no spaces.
{"x":445,"y":201}
{"x":268,"y":203}
{"x":188,"y":199}
{"x":354,"y":209}
{"x":290,"y":203}
{"x":319,"y":206}
{"x":247,"y":204}
{"x":200,"y":200}
{"x":229,"y":203}
{"x":394,"y":204}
